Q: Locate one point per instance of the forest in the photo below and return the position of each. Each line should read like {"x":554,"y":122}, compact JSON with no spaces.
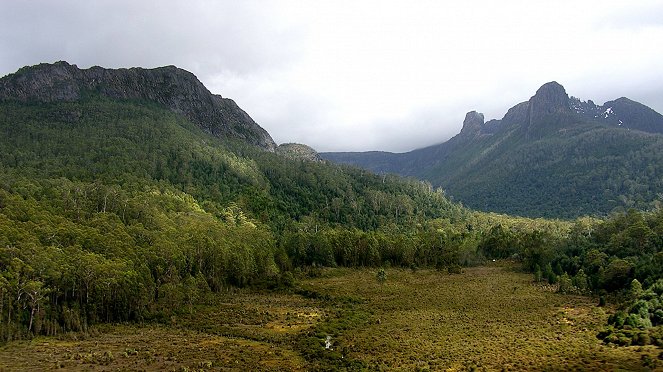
{"x":114,"y":211}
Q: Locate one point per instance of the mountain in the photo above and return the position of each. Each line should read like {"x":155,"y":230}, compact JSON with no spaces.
{"x":550,"y":156}
{"x":176,"y":89}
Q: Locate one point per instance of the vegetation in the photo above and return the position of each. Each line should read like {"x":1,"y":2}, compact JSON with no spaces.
{"x":588,"y":169}
{"x":487,"y":318}
{"x":121,"y":211}
{"x":619,"y":255}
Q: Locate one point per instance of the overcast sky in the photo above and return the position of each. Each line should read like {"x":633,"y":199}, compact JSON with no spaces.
{"x":358,"y":75}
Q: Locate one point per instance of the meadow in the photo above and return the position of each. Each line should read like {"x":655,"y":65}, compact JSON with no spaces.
{"x":485,"y":318}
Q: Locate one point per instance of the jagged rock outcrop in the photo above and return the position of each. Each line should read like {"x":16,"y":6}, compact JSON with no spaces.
{"x":472,"y":124}
{"x":298,"y":151}
{"x":621,"y":112}
{"x":550,"y":98}
{"x":175,"y":88}
{"x":518,"y":114}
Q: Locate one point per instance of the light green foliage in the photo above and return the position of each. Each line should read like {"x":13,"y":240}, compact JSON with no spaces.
{"x":641,"y":322}
{"x":155,"y":250}
{"x":635,"y":290}
{"x":580,"y":281}
{"x":565,"y":284}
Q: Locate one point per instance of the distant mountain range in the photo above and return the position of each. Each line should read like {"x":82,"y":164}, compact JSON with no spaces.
{"x":551,"y":156}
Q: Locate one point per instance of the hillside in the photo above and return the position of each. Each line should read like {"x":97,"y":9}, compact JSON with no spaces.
{"x":551,"y":156}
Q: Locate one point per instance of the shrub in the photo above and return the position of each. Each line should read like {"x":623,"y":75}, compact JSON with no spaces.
{"x":381,"y":275}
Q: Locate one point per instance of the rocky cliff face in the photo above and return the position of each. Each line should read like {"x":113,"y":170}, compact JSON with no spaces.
{"x":550,"y":98}
{"x":472,"y":124}
{"x":177,"y":89}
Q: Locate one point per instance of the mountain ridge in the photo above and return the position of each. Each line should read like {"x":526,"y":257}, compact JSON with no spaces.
{"x":177,"y":89}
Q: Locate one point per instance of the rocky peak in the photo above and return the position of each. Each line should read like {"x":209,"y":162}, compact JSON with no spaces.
{"x":175,"y":88}
{"x":548,"y":110}
{"x":549,"y":99}
{"x":472,"y":123}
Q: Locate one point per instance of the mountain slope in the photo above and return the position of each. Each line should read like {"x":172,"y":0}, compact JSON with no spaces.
{"x":553,"y":156}
{"x":177,"y":89}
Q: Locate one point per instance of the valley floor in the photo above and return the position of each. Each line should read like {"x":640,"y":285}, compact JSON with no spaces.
{"x":487,"y":318}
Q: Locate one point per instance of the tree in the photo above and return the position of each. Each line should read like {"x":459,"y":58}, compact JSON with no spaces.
{"x":635,"y":290}
{"x":538,"y":275}
{"x":580,"y":281}
{"x":549,"y":274}
{"x":565,"y":283}
{"x":36,"y":293}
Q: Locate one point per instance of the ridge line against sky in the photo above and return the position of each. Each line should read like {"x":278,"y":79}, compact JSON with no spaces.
{"x":358,"y":75}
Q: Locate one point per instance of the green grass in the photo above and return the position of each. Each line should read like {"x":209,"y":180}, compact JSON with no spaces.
{"x":487,"y":318}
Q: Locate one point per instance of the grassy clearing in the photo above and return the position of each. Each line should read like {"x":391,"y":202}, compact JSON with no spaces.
{"x":488,"y":318}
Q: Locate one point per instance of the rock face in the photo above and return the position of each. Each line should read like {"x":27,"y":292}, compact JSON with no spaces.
{"x":177,"y":89}
{"x":548,"y":110}
{"x":551,"y":98}
{"x":473,"y":123}
{"x":298,"y":151}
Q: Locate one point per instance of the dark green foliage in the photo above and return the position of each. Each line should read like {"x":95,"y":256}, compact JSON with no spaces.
{"x":641,"y":320}
{"x":538,"y":274}
{"x":596,"y":254}
{"x":499,"y":243}
{"x":549,"y":274}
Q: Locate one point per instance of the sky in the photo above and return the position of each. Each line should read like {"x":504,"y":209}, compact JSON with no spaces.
{"x":358,"y":75}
